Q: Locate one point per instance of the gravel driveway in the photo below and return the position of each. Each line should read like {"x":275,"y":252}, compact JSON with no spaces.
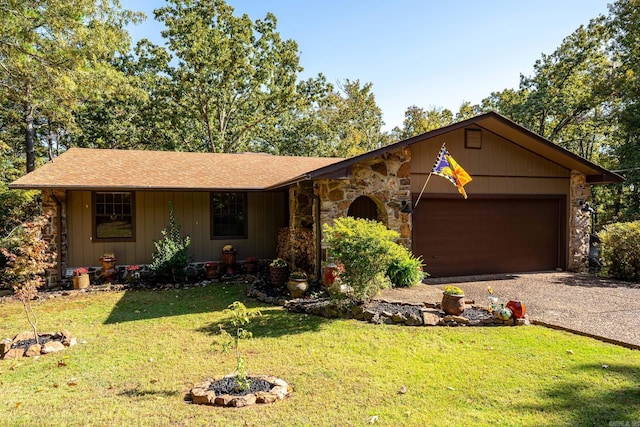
{"x":582,"y":303}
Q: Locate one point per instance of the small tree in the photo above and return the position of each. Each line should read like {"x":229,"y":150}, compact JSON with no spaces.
{"x":365,"y":248}
{"x":240,"y":317}
{"x":171,"y":257}
{"x":621,"y":250}
{"x":27,"y":257}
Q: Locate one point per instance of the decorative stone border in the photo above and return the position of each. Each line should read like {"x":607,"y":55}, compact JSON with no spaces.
{"x":59,"y":341}
{"x":406,"y":314}
{"x":202,"y":395}
{"x":426,"y":314}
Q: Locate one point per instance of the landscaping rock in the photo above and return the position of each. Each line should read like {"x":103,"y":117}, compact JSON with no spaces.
{"x":66,"y":337}
{"x":430,"y":317}
{"x":223,"y":400}
{"x":52,"y":347}
{"x":240,"y":401}
{"x":413,"y":320}
{"x":265,"y":397}
{"x":24,"y":336}
{"x":33,"y":350}
{"x":14,"y":353}
{"x":5,"y":345}
{"x":399,"y":318}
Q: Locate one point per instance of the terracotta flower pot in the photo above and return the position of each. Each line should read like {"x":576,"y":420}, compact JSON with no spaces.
{"x":330,"y":273}
{"x":278,"y":275}
{"x":453,"y":304}
{"x":297,"y":287}
{"x":109,"y":271}
{"x":211,"y":270}
{"x":251,"y":265}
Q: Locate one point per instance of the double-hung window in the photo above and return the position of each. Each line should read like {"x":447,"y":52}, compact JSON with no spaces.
{"x":113,"y":215}
{"x":228,"y":215}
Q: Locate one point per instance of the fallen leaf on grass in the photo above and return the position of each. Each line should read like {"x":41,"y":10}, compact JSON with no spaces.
{"x":18,"y":404}
{"x":61,"y":363}
{"x":605,"y":366}
{"x":403,"y":389}
{"x":373,"y":419}
{"x":72,"y":382}
{"x":569,"y":351}
{"x":451,"y":388}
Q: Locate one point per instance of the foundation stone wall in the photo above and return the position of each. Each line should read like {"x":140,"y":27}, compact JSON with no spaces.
{"x":54,"y":205}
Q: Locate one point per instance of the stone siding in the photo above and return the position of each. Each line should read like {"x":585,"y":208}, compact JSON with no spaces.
{"x":53,"y":235}
{"x":579,"y":224}
{"x":384,"y":179}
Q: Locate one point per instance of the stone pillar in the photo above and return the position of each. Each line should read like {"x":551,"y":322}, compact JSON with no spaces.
{"x":579,"y":223}
{"x":54,"y":205}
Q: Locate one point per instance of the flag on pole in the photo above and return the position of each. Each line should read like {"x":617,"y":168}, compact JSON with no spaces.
{"x":447,"y":167}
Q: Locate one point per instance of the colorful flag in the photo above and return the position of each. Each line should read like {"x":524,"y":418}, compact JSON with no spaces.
{"x":447,"y":167}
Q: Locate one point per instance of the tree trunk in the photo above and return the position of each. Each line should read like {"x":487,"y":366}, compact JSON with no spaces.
{"x":29,"y":137}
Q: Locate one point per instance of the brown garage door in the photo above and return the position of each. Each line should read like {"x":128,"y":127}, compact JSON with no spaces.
{"x":482,"y":236}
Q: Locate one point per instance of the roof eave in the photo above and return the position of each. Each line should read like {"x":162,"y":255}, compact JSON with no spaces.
{"x":14,"y":186}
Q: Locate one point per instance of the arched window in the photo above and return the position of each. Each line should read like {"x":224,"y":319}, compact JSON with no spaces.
{"x":364,"y":207}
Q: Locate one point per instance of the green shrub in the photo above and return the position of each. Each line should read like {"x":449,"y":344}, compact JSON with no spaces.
{"x":171,"y":257}
{"x":405,"y":269}
{"x":364,"y":247}
{"x":621,"y":250}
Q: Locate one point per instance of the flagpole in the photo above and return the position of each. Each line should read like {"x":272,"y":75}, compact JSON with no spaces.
{"x":423,"y":187}
{"x":429,"y":177}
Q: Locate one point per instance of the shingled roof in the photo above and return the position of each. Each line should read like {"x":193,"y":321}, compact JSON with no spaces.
{"x":86,"y":168}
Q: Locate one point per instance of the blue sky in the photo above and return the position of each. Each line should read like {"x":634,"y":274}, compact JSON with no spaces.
{"x":430,"y":53}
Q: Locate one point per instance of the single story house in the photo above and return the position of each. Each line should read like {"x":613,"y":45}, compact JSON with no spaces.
{"x":525,"y":210}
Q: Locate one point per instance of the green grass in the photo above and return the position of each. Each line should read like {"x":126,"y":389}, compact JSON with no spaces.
{"x":141,"y":351}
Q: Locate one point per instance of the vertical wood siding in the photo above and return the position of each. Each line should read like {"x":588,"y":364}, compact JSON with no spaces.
{"x":266,"y":214}
{"x":499,"y":167}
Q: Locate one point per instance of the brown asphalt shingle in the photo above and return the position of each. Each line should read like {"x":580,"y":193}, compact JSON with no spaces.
{"x":134,"y":169}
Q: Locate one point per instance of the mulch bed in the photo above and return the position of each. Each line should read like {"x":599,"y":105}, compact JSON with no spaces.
{"x":229,"y":385}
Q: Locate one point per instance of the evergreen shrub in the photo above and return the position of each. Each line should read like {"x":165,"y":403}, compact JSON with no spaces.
{"x":621,"y":250}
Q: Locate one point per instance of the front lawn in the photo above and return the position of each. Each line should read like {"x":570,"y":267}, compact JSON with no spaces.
{"x":141,"y":351}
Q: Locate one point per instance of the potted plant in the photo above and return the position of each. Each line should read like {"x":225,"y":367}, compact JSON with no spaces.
{"x":133,"y":273}
{"x":251,"y":265}
{"x":278,"y":272}
{"x":108,"y":262}
{"x":80,"y":278}
{"x":229,"y":259}
{"x":297,"y":284}
{"x":453,"y":300}
{"x":211,"y":270}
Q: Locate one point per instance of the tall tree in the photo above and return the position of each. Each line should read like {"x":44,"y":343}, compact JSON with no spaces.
{"x":418,"y":121}
{"x":355,"y":116}
{"x":233,"y":74}
{"x":625,"y":23}
{"x":569,"y":94}
{"x":54,"y":54}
